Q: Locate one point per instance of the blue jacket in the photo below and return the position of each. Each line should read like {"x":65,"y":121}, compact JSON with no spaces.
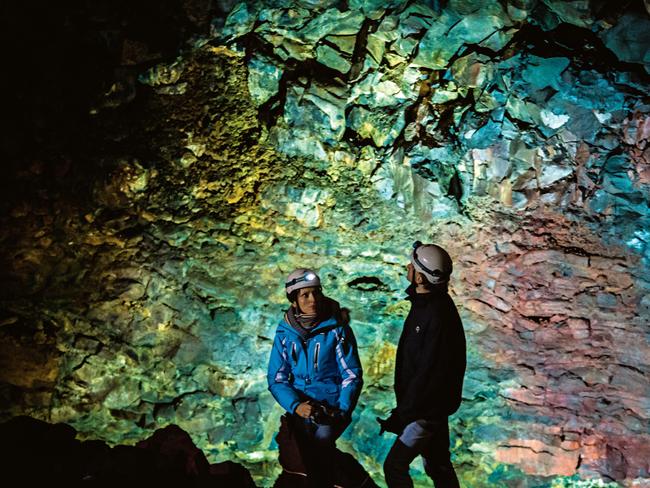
{"x":324,"y":366}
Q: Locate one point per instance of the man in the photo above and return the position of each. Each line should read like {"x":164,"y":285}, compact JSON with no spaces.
{"x":314,"y":373}
{"x":429,"y":372}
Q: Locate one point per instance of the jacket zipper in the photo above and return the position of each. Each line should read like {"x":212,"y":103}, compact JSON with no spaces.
{"x":316,"y":355}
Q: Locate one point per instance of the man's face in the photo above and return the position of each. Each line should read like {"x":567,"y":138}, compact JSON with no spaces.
{"x":410,"y":273}
{"x":414,"y":276}
{"x":309,"y":299}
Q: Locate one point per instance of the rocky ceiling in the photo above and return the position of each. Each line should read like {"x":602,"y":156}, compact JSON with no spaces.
{"x":168,"y":166}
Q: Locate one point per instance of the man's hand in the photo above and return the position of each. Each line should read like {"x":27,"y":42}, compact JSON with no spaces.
{"x":391,"y":424}
{"x":304,"y":410}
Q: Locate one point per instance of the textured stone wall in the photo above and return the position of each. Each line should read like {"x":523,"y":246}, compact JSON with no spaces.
{"x":332,"y":135}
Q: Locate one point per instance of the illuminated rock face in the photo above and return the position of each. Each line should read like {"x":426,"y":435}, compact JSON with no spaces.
{"x":315,"y":135}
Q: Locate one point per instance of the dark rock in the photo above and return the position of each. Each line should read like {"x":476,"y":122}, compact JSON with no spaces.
{"x":43,"y":453}
{"x":230,"y":473}
{"x":176,"y":446}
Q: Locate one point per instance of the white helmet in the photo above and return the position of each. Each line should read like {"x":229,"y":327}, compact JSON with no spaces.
{"x":301,"y":278}
{"x":432,"y":261}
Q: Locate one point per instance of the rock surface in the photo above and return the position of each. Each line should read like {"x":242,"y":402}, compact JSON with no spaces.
{"x":49,"y":454}
{"x":142,"y":266}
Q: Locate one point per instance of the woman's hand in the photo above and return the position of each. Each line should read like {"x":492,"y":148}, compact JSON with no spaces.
{"x":304,"y":410}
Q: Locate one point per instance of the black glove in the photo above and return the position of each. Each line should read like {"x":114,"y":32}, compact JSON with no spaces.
{"x":326,"y":415}
{"x":339,"y":416}
{"x":392,"y":424}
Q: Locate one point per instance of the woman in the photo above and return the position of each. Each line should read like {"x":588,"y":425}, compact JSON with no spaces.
{"x":314,"y":372}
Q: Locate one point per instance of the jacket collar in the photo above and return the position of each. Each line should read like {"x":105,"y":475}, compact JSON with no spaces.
{"x":324,"y":325}
{"x":413,"y":296}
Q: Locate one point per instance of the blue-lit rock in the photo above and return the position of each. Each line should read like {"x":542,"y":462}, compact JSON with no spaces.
{"x":542,"y":72}
{"x":240,"y":21}
{"x":263,"y":79}
{"x":308,"y":108}
{"x":630,"y":39}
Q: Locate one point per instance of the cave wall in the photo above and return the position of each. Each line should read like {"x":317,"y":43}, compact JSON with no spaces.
{"x":145,"y":241}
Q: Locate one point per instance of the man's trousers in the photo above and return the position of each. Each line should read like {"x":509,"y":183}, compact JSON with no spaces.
{"x":426,"y":438}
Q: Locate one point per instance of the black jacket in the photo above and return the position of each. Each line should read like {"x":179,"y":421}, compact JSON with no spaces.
{"x":430,"y":358}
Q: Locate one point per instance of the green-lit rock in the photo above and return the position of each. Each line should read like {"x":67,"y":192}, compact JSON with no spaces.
{"x":525,"y":111}
{"x":449,"y":32}
{"x":576,"y":12}
{"x":345,"y":43}
{"x":472,"y":71}
{"x":331,"y":22}
{"x":404,"y":46}
{"x":553,"y":120}
{"x":298,"y":142}
{"x":435,"y":49}
{"x":376,"y":92}
{"x":373,"y":9}
{"x":382,"y":127}
{"x":487,"y":100}
{"x":387,"y":30}
{"x":284,"y":20}
{"x":499,"y":39}
{"x":290,"y":48}
{"x":442,"y":95}
{"x":124,"y":395}
{"x":332,"y":58}
{"x":420,"y":14}
{"x":376,"y":47}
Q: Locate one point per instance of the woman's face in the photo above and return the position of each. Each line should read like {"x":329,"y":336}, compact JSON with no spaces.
{"x":309,"y":299}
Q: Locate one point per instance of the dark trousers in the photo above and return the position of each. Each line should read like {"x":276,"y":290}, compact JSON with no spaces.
{"x":318,"y":444}
{"x":429,"y":439}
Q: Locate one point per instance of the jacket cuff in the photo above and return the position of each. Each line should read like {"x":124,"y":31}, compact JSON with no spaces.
{"x":293,"y":405}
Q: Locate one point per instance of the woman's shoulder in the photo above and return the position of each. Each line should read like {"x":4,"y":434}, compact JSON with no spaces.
{"x":283,"y":325}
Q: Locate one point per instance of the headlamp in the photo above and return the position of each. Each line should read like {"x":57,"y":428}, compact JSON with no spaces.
{"x":305,"y":277}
